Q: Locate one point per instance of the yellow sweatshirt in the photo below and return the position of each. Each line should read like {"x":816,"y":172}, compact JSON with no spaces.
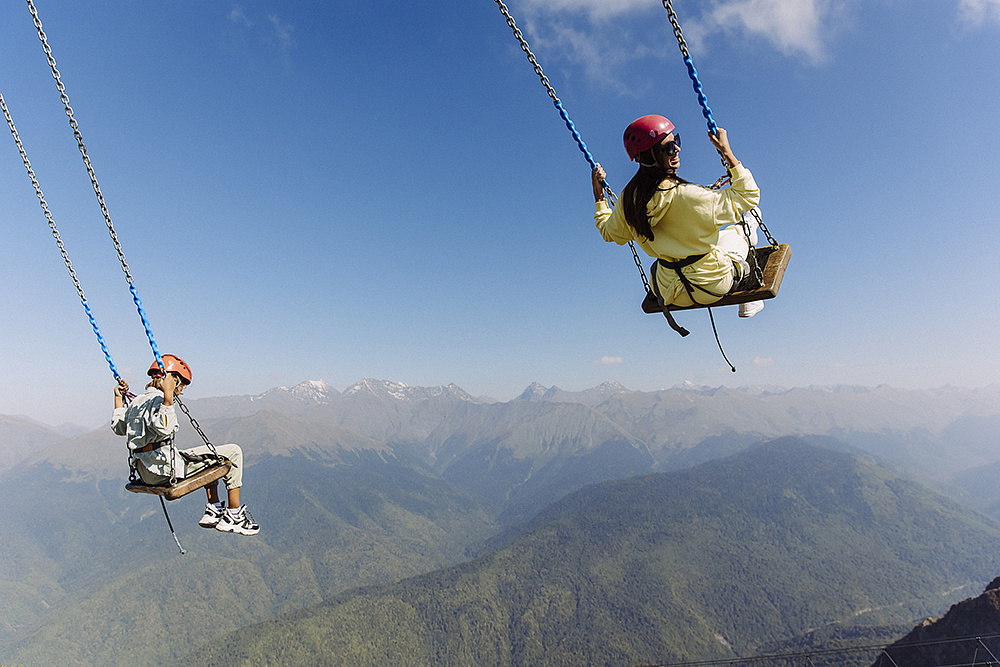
{"x":686,"y":220}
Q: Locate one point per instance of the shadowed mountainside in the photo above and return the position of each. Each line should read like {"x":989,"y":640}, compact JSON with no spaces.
{"x":968,"y":634}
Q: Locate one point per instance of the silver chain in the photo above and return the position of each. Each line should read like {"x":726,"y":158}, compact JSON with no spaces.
{"x":79,"y":138}
{"x":41,"y":199}
{"x":612,"y":198}
{"x":196,"y":425}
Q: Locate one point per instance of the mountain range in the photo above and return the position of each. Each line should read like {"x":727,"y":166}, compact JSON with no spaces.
{"x":383,"y":482}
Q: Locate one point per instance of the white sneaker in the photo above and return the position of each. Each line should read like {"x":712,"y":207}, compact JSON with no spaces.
{"x":750,"y":309}
{"x":742,"y":270}
{"x":213,"y":514}
{"x":238,"y":521}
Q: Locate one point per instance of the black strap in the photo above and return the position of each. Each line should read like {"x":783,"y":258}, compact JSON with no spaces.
{"x":200,"y":458}
{"x":688,"y":285}
{"x":666,"y":310}
{"x":153,"y":446}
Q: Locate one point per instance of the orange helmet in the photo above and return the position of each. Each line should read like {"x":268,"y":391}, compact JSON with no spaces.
{"x":171,"y":364}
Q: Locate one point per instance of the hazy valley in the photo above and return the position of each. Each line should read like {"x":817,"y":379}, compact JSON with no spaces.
{"x":556,"y":526}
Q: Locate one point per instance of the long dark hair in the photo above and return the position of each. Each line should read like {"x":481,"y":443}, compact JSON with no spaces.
{"x":647,"y":180}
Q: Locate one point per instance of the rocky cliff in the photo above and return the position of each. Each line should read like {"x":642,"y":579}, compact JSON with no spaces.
{"x":968,"y":634}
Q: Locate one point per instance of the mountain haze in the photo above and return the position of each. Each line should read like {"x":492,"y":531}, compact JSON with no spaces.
{"x":383,"y":482}
{"x":21,"y":437}
{"x":705,"y":563}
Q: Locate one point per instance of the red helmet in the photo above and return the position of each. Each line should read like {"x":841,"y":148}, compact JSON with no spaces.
{"x":644,"y":133}
{"x":172,"y":364}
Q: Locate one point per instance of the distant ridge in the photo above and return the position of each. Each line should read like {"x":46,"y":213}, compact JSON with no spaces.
{"x":404,"y":392}
{"x":310,"y":391}
{"x":21,"y":437}
{"x":591,"y":397}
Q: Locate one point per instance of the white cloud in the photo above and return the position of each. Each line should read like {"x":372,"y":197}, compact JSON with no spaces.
{"x":978,"y":12}
{"x":607,"y":361}
{"x":237,"y":16}
{"x":763,"y":362}
{"x":595,"y":34}
{"x":282,"y":32}
{"x":595,"y":8}
{"x":794,"y":27}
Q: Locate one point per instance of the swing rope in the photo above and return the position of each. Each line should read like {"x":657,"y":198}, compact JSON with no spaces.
{"x":59,"y":242}
{"x":114,"y":238}
{"x":97,"y":188}
{"x":612,"y":197}
{"x":83,"y":298}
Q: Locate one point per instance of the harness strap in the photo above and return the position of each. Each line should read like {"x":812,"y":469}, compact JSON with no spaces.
{"x":688,"y":285}
{"x":666,"y":311}
{"x":201,"y":458}
{"x":153,"y":446}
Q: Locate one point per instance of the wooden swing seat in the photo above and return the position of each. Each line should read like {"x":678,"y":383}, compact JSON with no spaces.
{"x":773,"y":259}
{"x":183,"y":486}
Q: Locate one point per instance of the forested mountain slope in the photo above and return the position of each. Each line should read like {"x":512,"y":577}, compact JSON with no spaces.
{"x":709,"y":562}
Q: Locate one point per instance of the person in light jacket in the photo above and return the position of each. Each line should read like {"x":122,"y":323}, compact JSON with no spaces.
{"x":149,"y":422}
{"x":700,"y":236}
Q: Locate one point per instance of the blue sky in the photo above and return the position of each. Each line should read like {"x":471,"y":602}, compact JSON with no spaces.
{"x":338,"y":190}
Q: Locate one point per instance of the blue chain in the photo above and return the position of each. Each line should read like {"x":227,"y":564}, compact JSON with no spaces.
{"x":55,"y":235}
{"x":706,"y":111}
{"x":692,"y":72}
{"x":97,"y":189}
{"x":145,"y":324}
{"x":576,"y":135}
{"x":100,"y":339}
{"x":572,"y":127}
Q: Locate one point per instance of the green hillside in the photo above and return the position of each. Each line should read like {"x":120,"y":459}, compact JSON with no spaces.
{"x":711,"y":562}
{"x":89,"y":574}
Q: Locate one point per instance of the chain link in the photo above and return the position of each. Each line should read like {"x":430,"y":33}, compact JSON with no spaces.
{"x":58,"y":238}
{"x":696,"y":82}
{"x":703,"y":101}
{"x":107,"y":219}
{"x":196,"y":425}
{"x":93,"y":177}
{"x":612,"y":198}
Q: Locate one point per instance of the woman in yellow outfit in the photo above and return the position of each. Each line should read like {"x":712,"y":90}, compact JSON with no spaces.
{"x":696,"y":231}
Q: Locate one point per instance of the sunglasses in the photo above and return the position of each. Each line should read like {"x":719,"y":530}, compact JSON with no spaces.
{"x":672,"y":147}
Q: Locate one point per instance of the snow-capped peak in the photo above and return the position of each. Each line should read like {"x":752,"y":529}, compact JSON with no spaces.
{"x":310,"y":391}
{"x":404,"y":392}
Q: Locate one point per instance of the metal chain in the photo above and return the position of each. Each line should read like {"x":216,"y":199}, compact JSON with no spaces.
{"x":196,"y":425}
{"x":703,"y":100}
{"x":612,"y":198}
{"x":55,"y":235}
{"x":93,"y":178}
{"x":767,"y":233}
{"x":696,"y":82}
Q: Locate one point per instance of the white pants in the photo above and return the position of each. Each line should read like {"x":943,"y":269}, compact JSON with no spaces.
{"x":234,"y":478}
{"x":734,"y":242}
